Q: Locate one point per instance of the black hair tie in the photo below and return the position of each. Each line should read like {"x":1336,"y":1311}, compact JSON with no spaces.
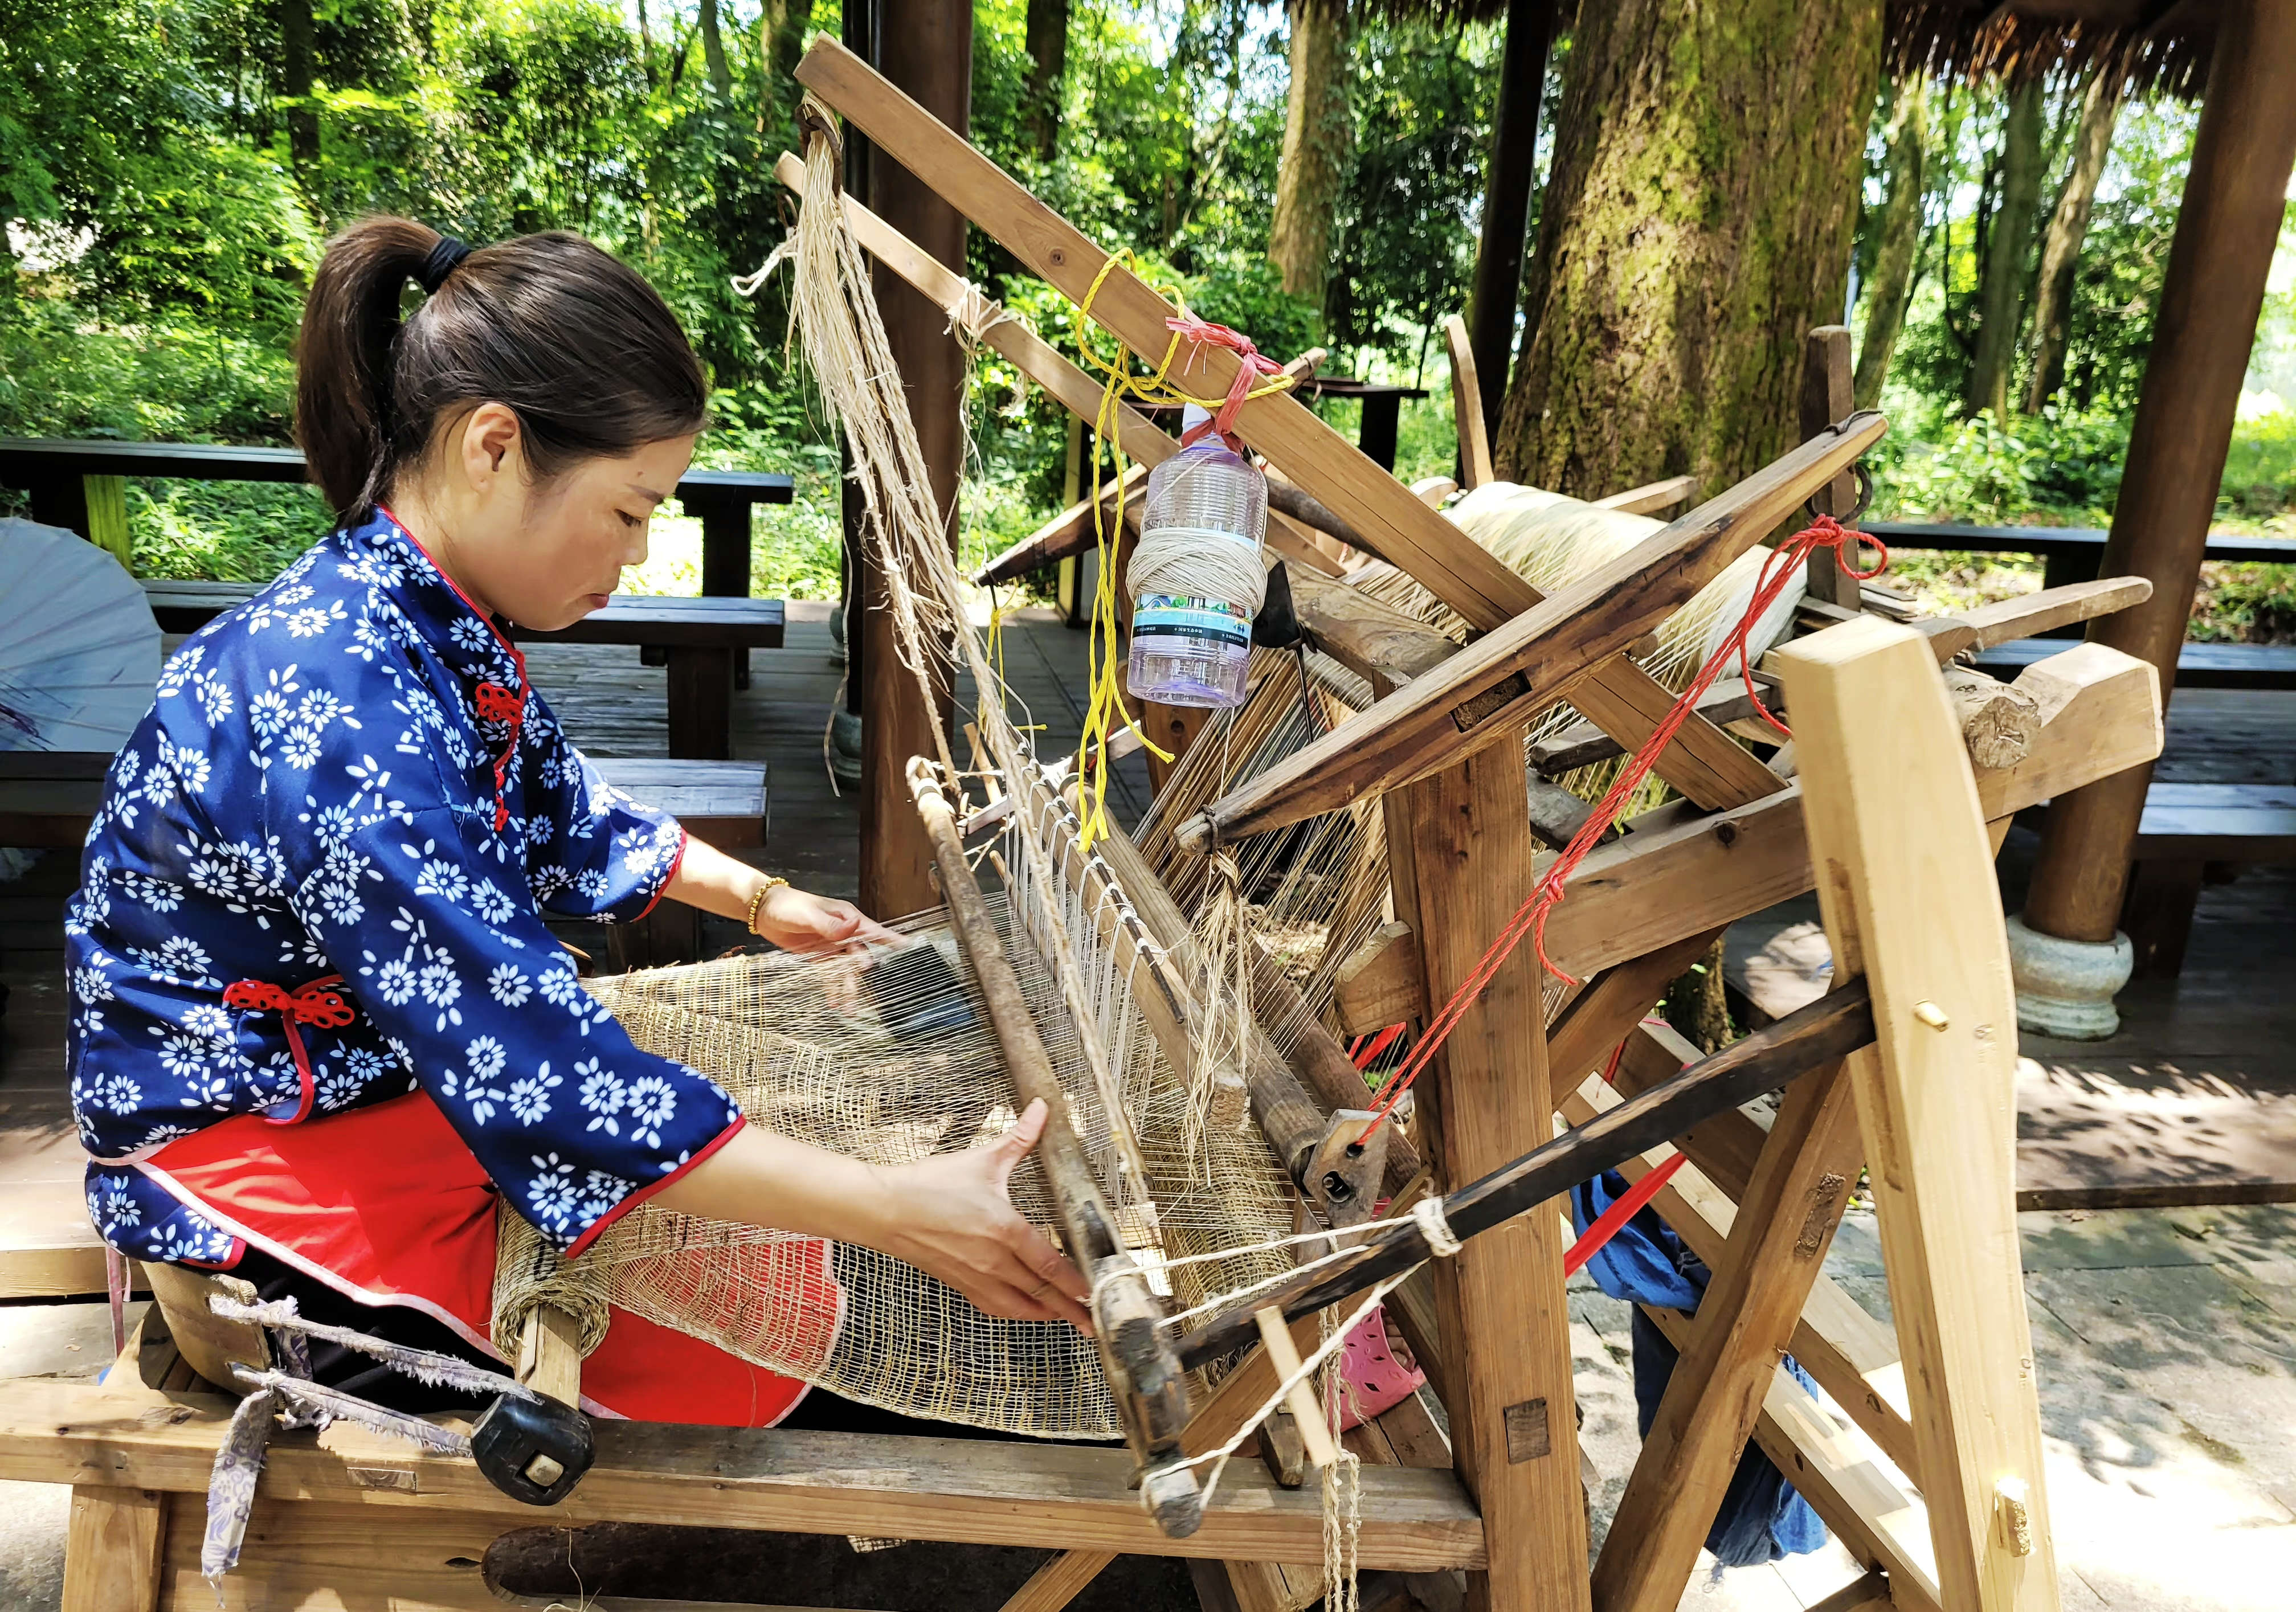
{"x":439,"y":263}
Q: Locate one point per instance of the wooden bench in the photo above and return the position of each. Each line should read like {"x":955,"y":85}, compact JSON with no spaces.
{"x":701,"y":639}
{"x":2198,"y":665}
{"x":48,"y":797}
{"x":2187,"y":830}
{"x":2068,"y":553}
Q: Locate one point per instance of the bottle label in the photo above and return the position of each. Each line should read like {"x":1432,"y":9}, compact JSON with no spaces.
{"x":1238,"y":539}
{"x":1206,"y":622}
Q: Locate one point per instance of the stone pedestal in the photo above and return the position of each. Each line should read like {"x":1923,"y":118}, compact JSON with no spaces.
{"x":2065,"y":987}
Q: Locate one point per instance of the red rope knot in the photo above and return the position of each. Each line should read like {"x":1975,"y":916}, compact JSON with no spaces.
{"x":499,"y":704}
{"x":317,"y":1004}
{"x":1251,"y":365}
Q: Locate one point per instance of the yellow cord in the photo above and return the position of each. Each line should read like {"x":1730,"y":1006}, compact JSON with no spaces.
{"x":1106,"y":711}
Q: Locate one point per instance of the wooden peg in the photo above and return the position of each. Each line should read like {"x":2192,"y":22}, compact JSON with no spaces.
{"x":1275,"y":1337}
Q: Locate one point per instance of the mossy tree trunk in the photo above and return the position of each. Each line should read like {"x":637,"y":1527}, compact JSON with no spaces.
{"x":1697,"y":221}
{"x":2052,"y":298}
{"x":1891,"y":286}
{"x":1318,"y":137}
{"x":2008,"y":255}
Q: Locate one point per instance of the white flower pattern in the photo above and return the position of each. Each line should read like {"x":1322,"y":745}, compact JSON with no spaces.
{"x":310,"y":794}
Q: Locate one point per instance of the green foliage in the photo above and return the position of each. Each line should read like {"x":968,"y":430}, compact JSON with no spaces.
{"x":60,"y":375}
{"x":2059,"y":467}
{"x":1423,"y":97}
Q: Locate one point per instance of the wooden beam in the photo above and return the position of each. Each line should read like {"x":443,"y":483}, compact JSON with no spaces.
{"x":1609,"y":1010}
{"x":1139,"y":437}
{"x":779,"y":1480}
{"x":2228,"y":230}
{"x":1324,"y":463}
{"x":1773,"y":1056}
{"x":1074,"y":530}
{"x":926,"y":47}
{"x":1745,"y":1321}
{"x":113,"y":1543}
{"x":1825,"y":398}
{"x":1852,"y":1356}
{"x":550,"y":1355}
{"x":2100,"y":713}
{"x":1376,"y":641}
{"x":1486,"y":690}
{"x":1937,"y":1094}
{"x":1059,"y":1581}
{"x":1461,"y":849}
{"x":1467,"y":407}
{"x":2030,"y":615}
{"x":1583,"y":743}
{"x":1879,"y":1520}
{"x":1651,"y":496}
{"x":1143,"y":1377}
{"x":1379,"y":983}
{"x":1702,"y":762}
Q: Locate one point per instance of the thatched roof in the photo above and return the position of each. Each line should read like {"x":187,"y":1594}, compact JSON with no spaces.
{"x":2152,"y":44}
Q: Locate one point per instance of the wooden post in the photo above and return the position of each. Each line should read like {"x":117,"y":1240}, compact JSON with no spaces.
{"x":1826,"y":397}
{"x":1777,"y":1245}
{"x":926,"y":46}
{"x":1506,"y":197}
{"x":1462,"y":854}
{"x":1467,"y":409}
{"x":2234,"y":198}
{"x":1911,"y":905}
{"x":112,"y":1548}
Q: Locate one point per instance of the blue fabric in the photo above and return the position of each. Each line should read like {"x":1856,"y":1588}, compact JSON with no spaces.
{"x":316,"y":791}
{"x":1762,"y":1517}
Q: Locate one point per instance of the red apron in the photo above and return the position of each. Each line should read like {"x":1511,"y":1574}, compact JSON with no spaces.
{"x":386,"y":1205}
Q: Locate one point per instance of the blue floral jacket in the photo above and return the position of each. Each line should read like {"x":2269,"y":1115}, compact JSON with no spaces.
{"x":348,"y":776}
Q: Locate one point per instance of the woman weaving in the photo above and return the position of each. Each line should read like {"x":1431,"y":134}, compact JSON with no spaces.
{"x":317,"y":1022}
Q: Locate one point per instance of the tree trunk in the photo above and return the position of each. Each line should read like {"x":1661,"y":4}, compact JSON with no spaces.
{"x":713,"y":50}
{"x":1699,"y":220}
{"x":1048,"y":51}
{"x":2053,"y":301}
{"x":297,"y":76}
{"x":1891,"y":287}
{"x":1506,"y":196}
{"x":1317,"y":134}
{"x":2005,"y":254}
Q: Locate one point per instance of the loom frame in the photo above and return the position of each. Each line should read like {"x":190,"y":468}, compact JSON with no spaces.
{"x":1490,"y":1328}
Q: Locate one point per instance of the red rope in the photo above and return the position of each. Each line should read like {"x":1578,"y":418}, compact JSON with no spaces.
{"x":1786,"y":562}
{"x":1630,"y":1203}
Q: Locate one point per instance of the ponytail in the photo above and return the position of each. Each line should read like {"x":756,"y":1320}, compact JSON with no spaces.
{"x":567,"y":336}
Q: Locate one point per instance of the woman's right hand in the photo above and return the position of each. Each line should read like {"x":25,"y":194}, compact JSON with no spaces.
{"x":952,"y":1216}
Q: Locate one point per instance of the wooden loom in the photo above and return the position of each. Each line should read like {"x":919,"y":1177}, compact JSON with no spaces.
{"x":1886,"y":803}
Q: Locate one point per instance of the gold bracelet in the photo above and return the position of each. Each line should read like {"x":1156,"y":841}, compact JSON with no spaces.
{"x":773,"y":881}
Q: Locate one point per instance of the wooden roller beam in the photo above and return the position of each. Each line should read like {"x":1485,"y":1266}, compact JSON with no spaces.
{"x":1703,"y":762}
{"x":1837,"y":1023}
{"x":1488,"y":689}
{"x":1143,"y":1377}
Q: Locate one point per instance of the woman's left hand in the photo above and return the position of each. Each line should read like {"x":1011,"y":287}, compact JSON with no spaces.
{"x":796,"y":920}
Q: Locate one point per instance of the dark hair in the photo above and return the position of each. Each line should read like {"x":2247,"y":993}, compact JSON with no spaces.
{"x":567,"y":335}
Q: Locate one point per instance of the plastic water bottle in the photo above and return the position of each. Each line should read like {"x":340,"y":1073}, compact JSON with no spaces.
{"x":1191,"y":633}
